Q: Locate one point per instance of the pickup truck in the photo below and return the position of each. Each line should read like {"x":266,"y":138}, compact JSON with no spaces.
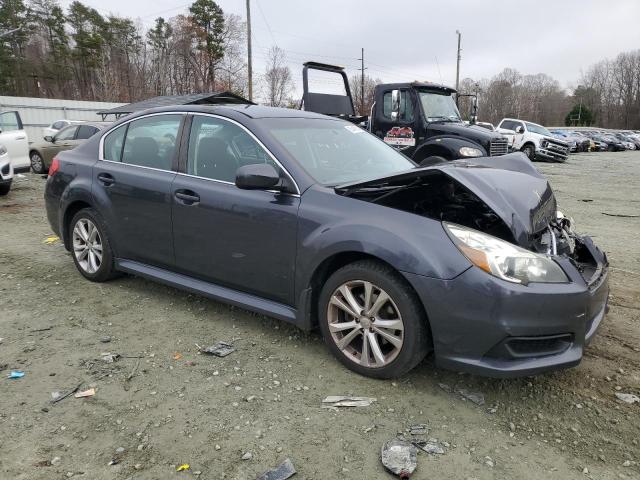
{"x":534,"y":140}
{"x":14,"y":138}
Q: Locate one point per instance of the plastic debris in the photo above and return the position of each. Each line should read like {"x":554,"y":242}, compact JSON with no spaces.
{"x":183,"y":467}
{"x":109,"y":357}
{"x":341,"y":401}
{"x":57,"y":396}
{"x":177,"y":356}
{"x":281,"y":472}
{"x":445,"y":387}
{"x":418,"y":429}
{"x":16,"y":374}
{"x":86,"y":393}
{"x":220,"y":349}
{"x":51,"y":239}
{"x":628,"y":398}
{"x":430,"y":446}
{"x":399,"y":457}
{"x":475,"y":397}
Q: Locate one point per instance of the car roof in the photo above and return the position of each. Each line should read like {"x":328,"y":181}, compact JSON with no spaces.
{"x":250,"y":111}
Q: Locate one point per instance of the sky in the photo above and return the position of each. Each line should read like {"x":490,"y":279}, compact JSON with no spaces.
{"x":416,"y":39}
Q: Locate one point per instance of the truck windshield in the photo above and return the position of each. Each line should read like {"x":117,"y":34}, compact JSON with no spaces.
{"x":439,"y":107}
{"x":334,"y":152}
{"x":532,"y":127}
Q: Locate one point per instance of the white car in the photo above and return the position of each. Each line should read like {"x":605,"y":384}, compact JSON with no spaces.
{"x":533,"y":140}
{"x":56,"y":126}
{"x":6,"y":171}
{"x":14,"y":138}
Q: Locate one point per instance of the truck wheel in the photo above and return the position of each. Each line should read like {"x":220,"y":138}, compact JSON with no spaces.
{"x":432,"y":160}
{"x":530,"y":151}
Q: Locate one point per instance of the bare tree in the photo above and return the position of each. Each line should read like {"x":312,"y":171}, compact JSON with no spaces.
{"x":355,"y":84}
{"x":278,"y":82}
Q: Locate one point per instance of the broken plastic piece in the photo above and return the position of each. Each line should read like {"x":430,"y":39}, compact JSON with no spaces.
{"x":418,"y":429}
{"x":177,"y":356}
{"x":86,"y":393}
{"x":109,"y":357}
{"x":57,"y":396}
{"x":220,"y":349}
{"x":431,"y":447}
{"x":16,"y":374}
{"x":281,"y":472}
{"x":475,"y":397}
{"x":628,"y":397}
{"x":184,"y":466}
{"x":51,"y":239}
{"x":341,"y":401}
{"x":399,"y":457}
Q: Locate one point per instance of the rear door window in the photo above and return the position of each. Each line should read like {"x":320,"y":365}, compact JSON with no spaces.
{"x":68,"y":133}
{"x":86,"y":131}
{"x":151,"y":141}
{"x":113,"y":144}
{"x":10,"y":121}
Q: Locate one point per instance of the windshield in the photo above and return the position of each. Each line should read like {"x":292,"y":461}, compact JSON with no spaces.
{"x":439,"y":107}
{"x":334,"y":152}
{"x":532,"y":127}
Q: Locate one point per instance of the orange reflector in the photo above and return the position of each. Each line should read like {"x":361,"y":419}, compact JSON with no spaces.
{"x":478,"y":258}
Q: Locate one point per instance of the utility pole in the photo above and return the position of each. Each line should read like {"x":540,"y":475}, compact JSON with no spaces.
{"x":362,"y":69}
{"x":250,"y":73}
{"x":458,"y":64}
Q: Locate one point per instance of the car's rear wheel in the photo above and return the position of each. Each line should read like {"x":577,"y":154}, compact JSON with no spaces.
{"x":4,"y":189}
{"x":37,"y":163}
{"x":90,"y":246}
{"x":372,"y":320}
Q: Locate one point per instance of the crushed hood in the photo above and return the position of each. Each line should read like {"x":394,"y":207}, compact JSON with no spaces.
{"x":509,"y":184}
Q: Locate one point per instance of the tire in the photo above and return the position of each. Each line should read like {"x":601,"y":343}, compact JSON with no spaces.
{"x":86,"y":220}
{"x":611,"y":148}
{"x":37,"y":163}
{"x":530,"y":151}
{"x":432,"y":160}
{"x":4,"y":189}
{"x":390,"y":359}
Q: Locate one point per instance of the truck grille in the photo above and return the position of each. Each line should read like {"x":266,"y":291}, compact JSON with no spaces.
{"x":558,"y":148}
{"x":498,"y":147}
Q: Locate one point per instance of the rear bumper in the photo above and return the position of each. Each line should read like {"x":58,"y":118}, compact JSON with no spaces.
{"x":487,"y":326}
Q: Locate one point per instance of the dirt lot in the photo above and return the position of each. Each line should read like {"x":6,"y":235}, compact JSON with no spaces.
{"x":266,"y":397}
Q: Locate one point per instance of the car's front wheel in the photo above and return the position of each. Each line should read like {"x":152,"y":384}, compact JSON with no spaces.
{"x":372,"y":320}
{"x":90,"y":246}
{"x":530,"y":151}
{"x":37,"y":163}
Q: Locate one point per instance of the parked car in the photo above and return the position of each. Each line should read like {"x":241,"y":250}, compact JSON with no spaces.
{"x":312,"y":220}
{"x":534,"y":140}
{"x":15,"y":140}
{"x":613,"y":144}
{"x":565,"y":137}
{"x":6,"y":171}
{"x":42,"y":153}
{"x":627,"y":141}
{"x":56,"y":126}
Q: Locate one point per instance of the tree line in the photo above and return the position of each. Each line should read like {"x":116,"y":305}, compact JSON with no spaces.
{"x":80,"y":54}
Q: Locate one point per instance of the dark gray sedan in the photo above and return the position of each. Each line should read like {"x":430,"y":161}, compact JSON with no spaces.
{"x":314,"y":221}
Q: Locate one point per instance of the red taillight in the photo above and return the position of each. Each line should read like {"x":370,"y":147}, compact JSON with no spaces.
{"x":55,"y":165}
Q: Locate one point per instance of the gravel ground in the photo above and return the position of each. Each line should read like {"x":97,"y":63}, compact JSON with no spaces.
{"x":162,"y":404}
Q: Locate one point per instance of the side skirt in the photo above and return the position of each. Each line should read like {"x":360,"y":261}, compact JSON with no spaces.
{"x":211,"y":290}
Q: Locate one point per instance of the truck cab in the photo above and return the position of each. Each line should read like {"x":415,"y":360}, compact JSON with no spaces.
{"x":423,"y":121}
{"x":14,"y":139}
{"x":420,"y":119}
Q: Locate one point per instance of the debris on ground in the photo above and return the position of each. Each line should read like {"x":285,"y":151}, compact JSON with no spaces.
{"x":623,"y":215}
{"x":183,"y":467}
{"x":247,"y":456}
{"x":342,"y":401}
{"x":177,"y":356}
{"x":475,"y":397}
{"x":220,"y":349}
{"x":16,"y":374}
{"x":44,"y":329}
{"x":418,"y":429}
{"x":86,"y":393}
{"x":430,"y":446}
{"x":109,"y":357}
{"x":51,"y":239}
{"x":445,"y":387}
{"x":628,"y":397}
{"x":105,"y":339}
{"x":399,"y":457}
{"x":281,"y":472}
{"x":57,"y":396}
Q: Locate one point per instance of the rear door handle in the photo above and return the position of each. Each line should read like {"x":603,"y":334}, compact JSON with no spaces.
{"x":187,"y":197}
{"x":21,"y":138}
{"x":106,"y":179}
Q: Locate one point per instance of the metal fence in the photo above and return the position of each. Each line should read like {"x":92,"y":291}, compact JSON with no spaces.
{"x":38,"y":113}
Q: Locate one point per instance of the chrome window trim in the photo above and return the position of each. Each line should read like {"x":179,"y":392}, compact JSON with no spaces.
{"x":227,"y":119}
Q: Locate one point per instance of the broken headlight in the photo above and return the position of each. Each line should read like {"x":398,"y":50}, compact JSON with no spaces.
{"x":503,"y":259}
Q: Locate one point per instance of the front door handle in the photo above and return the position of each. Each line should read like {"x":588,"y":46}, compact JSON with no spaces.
{"x":188,"y":197}
{"x":106,"y":179}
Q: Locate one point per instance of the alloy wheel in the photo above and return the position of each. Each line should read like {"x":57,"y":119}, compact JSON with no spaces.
{"x":87,"y":245}
{"x":365,"y":323}
{"x":36,"y":163}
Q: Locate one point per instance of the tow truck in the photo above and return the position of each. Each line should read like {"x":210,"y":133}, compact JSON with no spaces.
{"x":419,"y":118}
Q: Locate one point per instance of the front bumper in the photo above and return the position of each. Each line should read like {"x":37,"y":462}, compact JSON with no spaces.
{"x":477,"y":320}
{"x":551,"y":155}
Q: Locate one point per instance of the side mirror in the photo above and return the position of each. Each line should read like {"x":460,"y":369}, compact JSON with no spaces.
{"x":259,"y":176}
{"x":520,"y":129}
{"x":49,"y":138}
{"x":395,"y":105}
